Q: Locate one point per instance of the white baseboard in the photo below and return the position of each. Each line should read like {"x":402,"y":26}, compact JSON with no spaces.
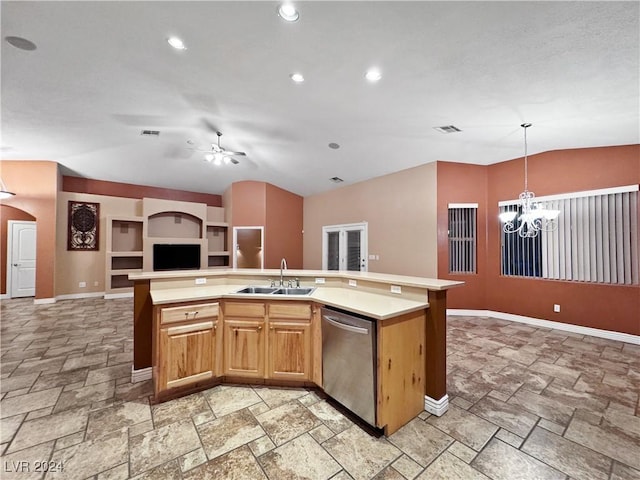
{"x":567,"y":327}
{"x":73,"y":296}
{"x":141,"y":375}
{"x":43,"y":301}
{"x":111,"y":296}
{"x":4,"y":296}
{"x":436,"y":407}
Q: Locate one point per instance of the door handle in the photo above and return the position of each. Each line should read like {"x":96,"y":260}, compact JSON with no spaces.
{"x":17,"y":264}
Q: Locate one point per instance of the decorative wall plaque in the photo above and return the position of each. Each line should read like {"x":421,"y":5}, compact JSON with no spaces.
{"x":84,"y":223}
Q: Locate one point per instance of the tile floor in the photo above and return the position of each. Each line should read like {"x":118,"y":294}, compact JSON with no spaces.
{"x":525,"y":403}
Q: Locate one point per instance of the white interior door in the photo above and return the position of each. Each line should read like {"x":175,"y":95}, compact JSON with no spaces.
{"x":21,"y":270}
{"x":344,"y":247}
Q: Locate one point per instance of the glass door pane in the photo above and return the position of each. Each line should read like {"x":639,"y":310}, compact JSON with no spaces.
{"x":353,"y":250}
{"x":333,"y":250}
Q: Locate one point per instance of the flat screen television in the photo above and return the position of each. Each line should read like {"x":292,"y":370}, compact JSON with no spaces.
{"x":176,"y":257}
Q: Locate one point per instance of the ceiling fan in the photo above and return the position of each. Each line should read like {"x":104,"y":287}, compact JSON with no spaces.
{"x":218,"y":155}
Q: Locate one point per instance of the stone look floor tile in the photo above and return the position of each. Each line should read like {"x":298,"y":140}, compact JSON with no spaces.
{"x":465,"y":427}
{"x":287,"y":421}
{"x":238,"y":464}
{"x":421,"y":441}
{"x":228,"y":432}
{"x":116,"y":417}
{"x":161,"y":445}
{"x":407,"y":467}
{"x":94,"y":456}
{"x":13,"y":467}
{"x":184,"y":407}
{"x":224,"y":400}
{"x":26,"y":403}
{"x":361,"y":455}
{"x":500,"y":461}
{"x":9,"y":426}
{"x":302,"y":457}
{"x":508,"y":416}
{"x":575,"y":460}
{"x":44,"y":429}
{"x":450,"y":467}
{"x":583,"y":391}
{"x":331,"y":417}
{"x":274,"y":397}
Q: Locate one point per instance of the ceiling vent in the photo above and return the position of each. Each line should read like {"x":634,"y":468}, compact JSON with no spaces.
{"x":336,"y":180}
{"x":150,"y":133}
{"x":448,"y":129}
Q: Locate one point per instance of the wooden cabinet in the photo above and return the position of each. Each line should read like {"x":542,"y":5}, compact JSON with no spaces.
{"x":289,"y":346}
{"x":244,"y":339}
{"x":187,"y":346}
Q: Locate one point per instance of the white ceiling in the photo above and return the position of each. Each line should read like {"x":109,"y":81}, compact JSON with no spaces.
{"x":103,"y":71}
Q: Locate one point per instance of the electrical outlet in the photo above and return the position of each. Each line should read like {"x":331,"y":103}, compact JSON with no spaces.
{"x":82,"y":284}
{"x":377,"y":257}
{"x":396,"y":289}
{"x":201,"y":281}
{"x":96,"y":283}
{"x":320,"y":280}
{"x":556,"y":308}
{"x":353,"y":283}
{"x":372,"y":257}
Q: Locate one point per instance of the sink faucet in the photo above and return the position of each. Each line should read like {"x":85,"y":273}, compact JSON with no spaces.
{"x":283,"y":266}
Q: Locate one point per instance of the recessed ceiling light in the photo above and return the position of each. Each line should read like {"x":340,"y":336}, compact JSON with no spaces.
{"x":297,"y":77}
{"x":21,"y":43}
{"x":288,"y":12}
{"x":177,"y":43}
{"x":373,"y":75}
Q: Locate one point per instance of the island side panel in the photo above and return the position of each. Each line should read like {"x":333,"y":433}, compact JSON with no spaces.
{"x":436,"y":346}
{"x":142,"y":322}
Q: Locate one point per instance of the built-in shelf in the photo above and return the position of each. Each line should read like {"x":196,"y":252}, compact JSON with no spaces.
{"x":125,"y":252}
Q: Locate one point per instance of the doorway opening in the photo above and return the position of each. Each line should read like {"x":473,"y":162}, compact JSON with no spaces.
{"x":248,"y":247}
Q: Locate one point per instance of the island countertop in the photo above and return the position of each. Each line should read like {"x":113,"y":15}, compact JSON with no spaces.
{"x":364,"y":293}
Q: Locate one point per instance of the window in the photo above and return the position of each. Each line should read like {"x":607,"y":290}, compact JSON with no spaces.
{"x":596,"y":239}
{"x":462,"y":237}
{"x":344,"y":247}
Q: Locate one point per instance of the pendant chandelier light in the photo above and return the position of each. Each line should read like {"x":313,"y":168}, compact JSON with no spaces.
{"x":533,"y":217}
{"x":4,"y":193}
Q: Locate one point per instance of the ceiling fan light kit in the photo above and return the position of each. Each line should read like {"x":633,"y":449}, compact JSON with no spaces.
{"x":218,"y":155}
{"x":288,"y":12}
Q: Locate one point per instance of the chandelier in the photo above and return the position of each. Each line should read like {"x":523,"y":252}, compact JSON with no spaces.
{"x":534,"y":217}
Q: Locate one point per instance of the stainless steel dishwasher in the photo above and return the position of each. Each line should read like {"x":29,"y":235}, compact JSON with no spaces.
{"x":349,"y":361}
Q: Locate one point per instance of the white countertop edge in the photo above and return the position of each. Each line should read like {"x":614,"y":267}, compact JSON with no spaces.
{"x":402,"y":280}
{"x":354,"y":302}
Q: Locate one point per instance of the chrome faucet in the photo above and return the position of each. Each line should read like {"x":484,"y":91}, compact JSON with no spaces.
{"x":283,"y":266}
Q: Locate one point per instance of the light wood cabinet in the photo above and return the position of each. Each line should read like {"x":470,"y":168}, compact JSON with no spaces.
{"x":289,"y":346}
{"x":187,"y":346}
{"x":244,"y":348}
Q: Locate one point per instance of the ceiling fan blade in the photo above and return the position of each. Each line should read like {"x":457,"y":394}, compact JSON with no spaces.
{"x":226,"y":152}
{"x":234,"y":161}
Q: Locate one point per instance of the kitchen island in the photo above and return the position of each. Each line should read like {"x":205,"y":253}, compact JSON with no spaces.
{"x":192,"y":330}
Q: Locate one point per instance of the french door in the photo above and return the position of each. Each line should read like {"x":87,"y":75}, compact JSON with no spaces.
{"x":344,"y":247}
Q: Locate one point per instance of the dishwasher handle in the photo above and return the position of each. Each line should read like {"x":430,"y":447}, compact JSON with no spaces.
{"x":337,"y":323}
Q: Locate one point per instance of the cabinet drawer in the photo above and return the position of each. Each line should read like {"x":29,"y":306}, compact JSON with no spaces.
{"x":285,"y":310}
{"x":188,"y":312}
{"x":236,"y":309}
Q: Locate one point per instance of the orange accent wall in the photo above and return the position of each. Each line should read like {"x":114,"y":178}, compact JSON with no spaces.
{"x":36,"y":185}
{"x":606,"y":307}
{"x":283,"y":228}
{"x":128,"y":190}
{"x":8,"y":213}
{"x":463,"y":183}
{"x":278,"y":211}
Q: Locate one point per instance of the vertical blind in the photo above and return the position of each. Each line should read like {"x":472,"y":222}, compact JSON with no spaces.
{"x":462,"y":237}
{"x":596,"y":239}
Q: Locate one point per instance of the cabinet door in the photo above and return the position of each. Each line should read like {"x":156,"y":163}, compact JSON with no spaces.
{"x":187,"y":354}
{"x":289,"y":350}
{"x":244,"y":348}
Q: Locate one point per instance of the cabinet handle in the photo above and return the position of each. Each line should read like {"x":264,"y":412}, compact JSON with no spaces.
{"x":186,"y":315}
{"x":271,"y":328}
{"x":259,"y":327}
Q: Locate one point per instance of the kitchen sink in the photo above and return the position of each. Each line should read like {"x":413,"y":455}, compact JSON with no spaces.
{"x":258,"y":290}
{"x":294,"y":291}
